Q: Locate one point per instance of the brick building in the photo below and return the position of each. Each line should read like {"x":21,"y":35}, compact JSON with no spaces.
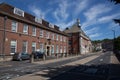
{"x":79,"y":42}
{"x":23,"y":32}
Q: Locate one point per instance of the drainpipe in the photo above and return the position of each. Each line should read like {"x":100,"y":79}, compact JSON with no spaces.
{"x":4,"y":36}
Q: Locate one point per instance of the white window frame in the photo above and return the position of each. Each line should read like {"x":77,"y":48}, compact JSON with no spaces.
{"x":64,"y":49}
{"x":14,"y":25}
{"x":57,"y":49}
{"x":26,"y":50}
{"x":60,"y":38}
{"x":57,"y":37}
{"x":52,"y":49}
{"x":64,"y":39}
{"x":41,"y":47}
{"x":38,"y":20}
{"x":41,"y":33}
{"x":34,"y":45}
{"x":51,"y":25}
{"x":33,"y":32}
{"x":60,"y":49}
{"x":47,"y":34}
{"x":25,"y":31}
{"x":52,"y":36}
{"x":19,"y":12}
{"x":15,"y":42}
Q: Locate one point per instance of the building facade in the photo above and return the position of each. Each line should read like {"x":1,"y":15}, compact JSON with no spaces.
{"x":79,"y":42}
{"x":23,"y":32}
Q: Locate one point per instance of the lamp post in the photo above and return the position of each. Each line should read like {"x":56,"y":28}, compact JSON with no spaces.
{"x":4,"y":37}
{"x":113,"y":40}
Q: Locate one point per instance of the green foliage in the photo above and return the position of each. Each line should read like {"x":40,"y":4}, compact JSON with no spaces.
{"x":115,"y":1}
{"x":117,"y":43}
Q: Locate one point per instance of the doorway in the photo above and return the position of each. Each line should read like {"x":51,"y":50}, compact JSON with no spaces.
{"x":48,"y":50}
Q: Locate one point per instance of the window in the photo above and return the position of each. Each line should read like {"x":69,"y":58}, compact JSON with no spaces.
{"x":57,"y":49}
{"x":47,"y":35}
{"x":14,"y":26}
{"x":24,"y":46}
{"x":52,"y":36}
{"x":41,"y":33}
{"x":52,"y":49}
{"x":13,"y":46}
{"x":60,"y":49}
{"x":25,"y":29}
{"x":51,"y":25}
{"x":41,"y":47}
{"x":33,"y":31}
{"x":64,"y":39}
{"x":60,"y":38}
{"x":56,"y":37}
{"x":33,"y":46}
{"x":19,"y":12}
{"x":38,"y":20}
{"x":64,"y":49}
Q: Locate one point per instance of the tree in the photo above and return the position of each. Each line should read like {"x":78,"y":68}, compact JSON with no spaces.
{"x":117,"y":21}
{"x":115,"y":1}
{"x":117,"y":43}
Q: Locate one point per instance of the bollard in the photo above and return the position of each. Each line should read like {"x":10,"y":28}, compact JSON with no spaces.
{"x":57,"y":55}
{"x":62,"y":54}
{"x":32,"y":58}
{"x":44,"y":57}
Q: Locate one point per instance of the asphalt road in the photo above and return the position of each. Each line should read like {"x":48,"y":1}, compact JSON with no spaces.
{"x":13,"y":69}
{"x":97,"y":69}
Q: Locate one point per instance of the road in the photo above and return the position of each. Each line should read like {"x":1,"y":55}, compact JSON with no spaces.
{"x":12,"y":69}
{"x":97,"y":69}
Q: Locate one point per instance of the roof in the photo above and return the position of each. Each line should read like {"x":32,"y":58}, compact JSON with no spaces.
{"x":76,"y":28}
{"x":8,"y":10}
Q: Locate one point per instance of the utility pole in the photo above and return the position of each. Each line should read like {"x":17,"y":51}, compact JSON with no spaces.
{"x":113,"y":40}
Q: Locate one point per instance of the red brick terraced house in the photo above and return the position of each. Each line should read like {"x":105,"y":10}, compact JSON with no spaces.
{"x":79,"y":42}
{"x":23,"y":32}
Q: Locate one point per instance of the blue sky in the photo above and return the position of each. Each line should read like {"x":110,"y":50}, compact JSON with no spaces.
{"x":95,"y":15}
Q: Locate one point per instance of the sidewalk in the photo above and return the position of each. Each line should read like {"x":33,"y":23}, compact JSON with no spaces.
{"x":37,"y":75}
{"x":113,"y":59}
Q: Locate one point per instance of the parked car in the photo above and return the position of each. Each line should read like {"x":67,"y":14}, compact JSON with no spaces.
{"x":21,"y":56}
{"x":104,"y":50}
{"x":38,"y":54}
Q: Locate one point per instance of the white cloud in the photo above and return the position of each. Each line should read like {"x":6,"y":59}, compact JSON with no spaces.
{"x":95,"y":11}
{"x":37,"y":11}
{"x":92,"y":15}
{"x":80,"y":5}
{"x":61,"y":12}
{"x":92,"y":31}
{"x":114,"y":26}
{"x":94,"y":35}
{"x":100,"y":20}
{"x":105,"y":19}
{"x":64,"y":25}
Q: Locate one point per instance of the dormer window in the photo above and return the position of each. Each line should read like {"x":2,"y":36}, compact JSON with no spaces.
{"x":38,"y":20}
{"x":51,"y":25}
{"x":19,"y":12}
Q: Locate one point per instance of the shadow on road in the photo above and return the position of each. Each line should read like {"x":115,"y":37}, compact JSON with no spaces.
{"x":83,"y":72}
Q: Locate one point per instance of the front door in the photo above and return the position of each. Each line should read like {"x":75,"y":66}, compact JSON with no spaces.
{"x":48,"y":50}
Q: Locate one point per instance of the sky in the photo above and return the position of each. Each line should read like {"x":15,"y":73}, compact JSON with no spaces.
{"x":96,"y":16}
